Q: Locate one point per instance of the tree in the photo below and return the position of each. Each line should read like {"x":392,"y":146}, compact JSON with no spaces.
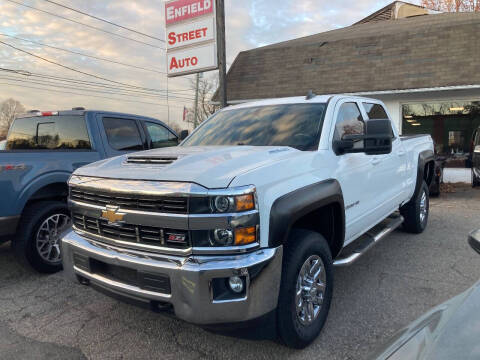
{"x":452,"y":5}
{"x":206,"y":89}
{"x":9,"y":110}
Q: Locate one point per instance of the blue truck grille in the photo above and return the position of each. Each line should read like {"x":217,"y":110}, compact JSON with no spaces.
{"x":164,"y":204}
{"x":136,"y":234}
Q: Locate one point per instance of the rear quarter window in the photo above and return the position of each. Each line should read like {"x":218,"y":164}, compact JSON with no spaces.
{"x":49,"y":133}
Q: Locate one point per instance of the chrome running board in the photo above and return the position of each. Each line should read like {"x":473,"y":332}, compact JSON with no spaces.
{"x":357,"y":248}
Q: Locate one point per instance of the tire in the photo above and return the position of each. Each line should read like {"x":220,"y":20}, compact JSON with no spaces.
{"x":415,"y":212}
{"x":45,"y":257}
{"x":475,"y":181}
{"x":303,"y":245}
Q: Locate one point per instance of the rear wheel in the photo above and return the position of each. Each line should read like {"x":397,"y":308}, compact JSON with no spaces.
{"x":38,"y":239}
{"x":475,"y":180}
{"x":306,"y":288}
{"x":415,"y":212}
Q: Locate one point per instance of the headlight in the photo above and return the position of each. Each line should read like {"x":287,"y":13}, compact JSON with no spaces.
{"x":223,"y":204}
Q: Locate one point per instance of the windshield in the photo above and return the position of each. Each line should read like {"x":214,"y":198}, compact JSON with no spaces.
{"x":295,"y":125}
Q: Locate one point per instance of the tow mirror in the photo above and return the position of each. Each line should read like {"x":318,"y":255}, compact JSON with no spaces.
{"x":474,"y":240}
{"x":377,"y":139}
{"x":183,"y":135}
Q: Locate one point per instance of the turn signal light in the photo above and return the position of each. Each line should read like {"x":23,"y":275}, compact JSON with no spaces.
{"x":244,"y":202}
{"x":244,"y":236}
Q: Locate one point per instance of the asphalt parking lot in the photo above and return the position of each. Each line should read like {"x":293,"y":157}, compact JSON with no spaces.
{"x":48,"y":317}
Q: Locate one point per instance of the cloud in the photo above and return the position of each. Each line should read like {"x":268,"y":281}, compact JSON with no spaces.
{"x":249,"y":24}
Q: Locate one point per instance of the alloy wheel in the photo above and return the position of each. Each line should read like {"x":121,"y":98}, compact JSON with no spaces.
{"x":310,"y":290}
{"x":423,"y":207}
{"x":48,"y":237}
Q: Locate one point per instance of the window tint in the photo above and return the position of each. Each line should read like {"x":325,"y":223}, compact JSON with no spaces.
{"x":160,"y":135}
{"x":375,"y":111}
{"x":295,"y":125}
{"x":349,"y":121}
{"x":49,"y":133}
{"x":122,"y":134}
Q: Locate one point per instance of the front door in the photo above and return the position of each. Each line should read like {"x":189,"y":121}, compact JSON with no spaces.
{"x":353,"y":171}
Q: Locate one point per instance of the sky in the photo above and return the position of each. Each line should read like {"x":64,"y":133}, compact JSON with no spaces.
{"x":249,"y":24}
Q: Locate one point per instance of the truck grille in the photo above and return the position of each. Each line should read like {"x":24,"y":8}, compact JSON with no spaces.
{"x":164,"y":204}
{"x":136,"y":234}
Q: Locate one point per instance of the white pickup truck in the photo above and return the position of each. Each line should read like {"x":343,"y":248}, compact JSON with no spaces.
{"x":248,"y":217}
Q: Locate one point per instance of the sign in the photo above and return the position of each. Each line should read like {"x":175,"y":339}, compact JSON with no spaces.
{"x":193,"y":59}
{"x":190,"y":36}
{"x":180,"y":10}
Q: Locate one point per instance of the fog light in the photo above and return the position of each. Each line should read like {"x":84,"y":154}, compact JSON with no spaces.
{"x":223,"y":237}
{"x":236,"y":284}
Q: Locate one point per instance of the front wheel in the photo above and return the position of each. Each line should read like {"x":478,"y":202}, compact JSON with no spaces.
{"x":306,"y":288}
{"x":38,"y":239}
{"x":415,"y":212}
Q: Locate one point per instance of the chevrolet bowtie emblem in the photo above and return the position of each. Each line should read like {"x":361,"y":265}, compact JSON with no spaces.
{"x":112,"y":215}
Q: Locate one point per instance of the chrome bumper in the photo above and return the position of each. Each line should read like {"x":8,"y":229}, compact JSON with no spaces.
{"x":190,"y":279}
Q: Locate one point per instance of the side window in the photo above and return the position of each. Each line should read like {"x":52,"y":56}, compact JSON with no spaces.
{"x":49,"y":133}
{"x":376,"y":112}
{"x":122,"y":134}
{"x":160,"y":135}
{"x":349,"y":122}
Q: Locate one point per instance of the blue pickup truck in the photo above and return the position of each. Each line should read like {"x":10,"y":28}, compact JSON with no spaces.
{"x":41,"y":151}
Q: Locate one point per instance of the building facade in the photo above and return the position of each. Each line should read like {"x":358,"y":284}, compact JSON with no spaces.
{"x":424,"y":65}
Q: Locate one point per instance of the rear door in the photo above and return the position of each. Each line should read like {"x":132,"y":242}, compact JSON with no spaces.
{"x":121,"y":135}
{"x":388,"y":170}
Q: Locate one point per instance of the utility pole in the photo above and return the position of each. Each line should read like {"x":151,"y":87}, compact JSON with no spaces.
{"x":222,"y":63}
{"x":195,"y":111}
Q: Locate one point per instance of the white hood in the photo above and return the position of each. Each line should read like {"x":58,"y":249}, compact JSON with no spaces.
{"x":209,"y":166}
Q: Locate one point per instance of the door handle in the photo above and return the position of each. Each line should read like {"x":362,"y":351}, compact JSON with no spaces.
{"x":401,"y":152}
{"x":376,"y":160}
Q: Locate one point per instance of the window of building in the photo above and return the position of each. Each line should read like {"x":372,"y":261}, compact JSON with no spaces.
{"x":451,"y":125}
{"x":160,"y":135}
{"x":49,"y":133}
{"x":122,"y":134}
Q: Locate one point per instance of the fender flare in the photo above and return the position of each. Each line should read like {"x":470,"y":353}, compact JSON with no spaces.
{"x":33,"y":186}
{"x":287,"y":209}
{"x":424,"y":157}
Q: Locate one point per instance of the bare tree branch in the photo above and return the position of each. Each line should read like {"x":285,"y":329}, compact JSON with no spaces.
{"x":9,"y":110}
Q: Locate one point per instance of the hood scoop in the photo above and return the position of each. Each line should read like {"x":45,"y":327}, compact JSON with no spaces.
{"x":151,"y":159}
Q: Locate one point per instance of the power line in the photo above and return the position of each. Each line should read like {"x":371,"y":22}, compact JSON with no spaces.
{"x":86,"y":82}
{"x":83,"y":24}
{"x":82,"y":54}
{"x":104,"y":20}
{"x":95,"y":96}
{"x":75,"y":70}
{"x":102,"y":91}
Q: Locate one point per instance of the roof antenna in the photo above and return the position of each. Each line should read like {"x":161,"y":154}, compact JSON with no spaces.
{"x":310,"y":95}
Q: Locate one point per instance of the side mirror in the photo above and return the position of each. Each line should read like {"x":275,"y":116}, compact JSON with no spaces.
{"x":377,"y":139}
{"x":183,"y":135}
{"x":474,"y":240}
